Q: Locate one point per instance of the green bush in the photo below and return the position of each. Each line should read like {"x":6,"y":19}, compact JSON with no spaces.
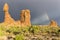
{"x":14,"y":29}
{"x":2,"y":33}
{"x":34,"y":29}
{"x":2,"y":28}
{"x":25,"y":29}
{"x":19,"y":37}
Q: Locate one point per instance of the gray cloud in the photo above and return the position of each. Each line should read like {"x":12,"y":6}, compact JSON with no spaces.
{"x":41,"y":19}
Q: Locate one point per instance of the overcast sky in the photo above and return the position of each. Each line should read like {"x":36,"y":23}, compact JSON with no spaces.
{"x":41,"y":10}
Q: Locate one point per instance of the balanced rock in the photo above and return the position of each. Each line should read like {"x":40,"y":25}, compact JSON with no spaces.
{"x":53,"y":23}
{"x":8,"y":19}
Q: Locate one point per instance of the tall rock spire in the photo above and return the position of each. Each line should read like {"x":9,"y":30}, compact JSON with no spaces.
{"x":8,"y":19}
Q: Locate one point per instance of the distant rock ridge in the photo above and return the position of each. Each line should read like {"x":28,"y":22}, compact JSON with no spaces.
{"x":24,"y":17}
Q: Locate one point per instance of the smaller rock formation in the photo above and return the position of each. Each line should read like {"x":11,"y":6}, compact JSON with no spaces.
{"x":53,"y":23}
{"x":25,"y":17}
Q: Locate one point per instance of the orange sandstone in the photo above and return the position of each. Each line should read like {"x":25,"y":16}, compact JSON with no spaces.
{"x":8,"y":19}
{"x":25,"y":17}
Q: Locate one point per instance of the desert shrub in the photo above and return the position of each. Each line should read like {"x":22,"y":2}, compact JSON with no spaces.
{"x":49,"y":29}
{"x":58,"y":31}
{"x":2,"y":28}
{"x":19,"y":37}
{"x":25,"y":29}
{"x":34,"y":29}
{"x":14,"y":29}
{"x":8,"y":31}
{"x":53,"y":29}
{"x":43,"y":29}
{"x":2,"y":33}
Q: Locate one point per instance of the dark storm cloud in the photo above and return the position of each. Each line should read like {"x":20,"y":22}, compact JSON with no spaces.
{"x":37,"y":7}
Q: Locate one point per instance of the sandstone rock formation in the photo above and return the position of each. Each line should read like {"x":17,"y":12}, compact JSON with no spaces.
{"x":25,"y":17}
{"x":53,"y":23}
{"x":8,"y":19}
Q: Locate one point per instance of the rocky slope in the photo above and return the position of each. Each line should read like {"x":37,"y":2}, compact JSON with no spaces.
{"x":29,"y":33}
